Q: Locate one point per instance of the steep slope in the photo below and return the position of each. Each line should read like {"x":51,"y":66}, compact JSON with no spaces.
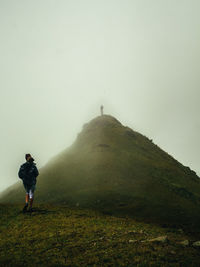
{"x":118,"y":170}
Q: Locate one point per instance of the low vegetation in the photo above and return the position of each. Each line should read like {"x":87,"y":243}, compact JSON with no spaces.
{"x":59,"y":235}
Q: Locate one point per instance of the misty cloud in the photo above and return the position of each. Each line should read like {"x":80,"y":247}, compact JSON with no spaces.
{"x":60,"y":60}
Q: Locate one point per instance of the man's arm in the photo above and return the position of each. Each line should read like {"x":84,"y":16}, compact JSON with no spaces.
{"x":21,"y":172}
{"x":36,"y":172}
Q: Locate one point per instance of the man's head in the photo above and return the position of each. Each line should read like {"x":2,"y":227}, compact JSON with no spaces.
{"x":28,"y":157}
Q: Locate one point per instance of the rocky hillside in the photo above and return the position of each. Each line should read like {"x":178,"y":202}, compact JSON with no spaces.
{"x":117,"y":170}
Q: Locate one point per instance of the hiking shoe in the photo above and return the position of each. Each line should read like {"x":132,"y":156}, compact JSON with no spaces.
{"x":25,"y":208}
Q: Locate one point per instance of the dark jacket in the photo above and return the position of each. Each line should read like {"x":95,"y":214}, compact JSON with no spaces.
{"x":28,"y":173}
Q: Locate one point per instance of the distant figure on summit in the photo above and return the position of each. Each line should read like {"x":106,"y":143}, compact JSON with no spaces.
{"x":28,"y":173}
{"x":101,"y":110}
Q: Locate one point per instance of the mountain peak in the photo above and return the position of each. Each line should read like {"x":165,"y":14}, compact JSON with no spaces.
{"x":101,"y":121}
{"x":112,"y":168}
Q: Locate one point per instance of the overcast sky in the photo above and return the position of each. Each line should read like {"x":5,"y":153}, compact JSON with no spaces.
{"x":60,"y":60}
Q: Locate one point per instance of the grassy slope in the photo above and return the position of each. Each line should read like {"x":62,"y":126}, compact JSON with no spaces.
{"x":113,"y":168}
{"x":62,"y":236}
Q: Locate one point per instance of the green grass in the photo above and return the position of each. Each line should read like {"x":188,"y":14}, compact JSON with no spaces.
{"x":57,"y":235}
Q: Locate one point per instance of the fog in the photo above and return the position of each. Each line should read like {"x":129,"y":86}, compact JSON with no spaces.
{"x":60,"y":60}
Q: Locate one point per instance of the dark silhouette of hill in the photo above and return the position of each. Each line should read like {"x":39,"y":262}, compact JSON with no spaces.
{"x":115,"y":169}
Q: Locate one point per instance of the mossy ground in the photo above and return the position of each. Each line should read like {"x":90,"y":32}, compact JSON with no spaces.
{"x":63,"y":236}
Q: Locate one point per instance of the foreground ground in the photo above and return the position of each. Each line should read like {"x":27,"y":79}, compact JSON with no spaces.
{"x":62,"y":236}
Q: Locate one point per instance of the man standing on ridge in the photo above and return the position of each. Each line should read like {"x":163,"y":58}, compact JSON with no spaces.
{"x":28,"y":173}
{"x":101,"y":108}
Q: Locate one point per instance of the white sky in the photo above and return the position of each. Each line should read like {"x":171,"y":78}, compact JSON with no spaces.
{"x":59,"y":60}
